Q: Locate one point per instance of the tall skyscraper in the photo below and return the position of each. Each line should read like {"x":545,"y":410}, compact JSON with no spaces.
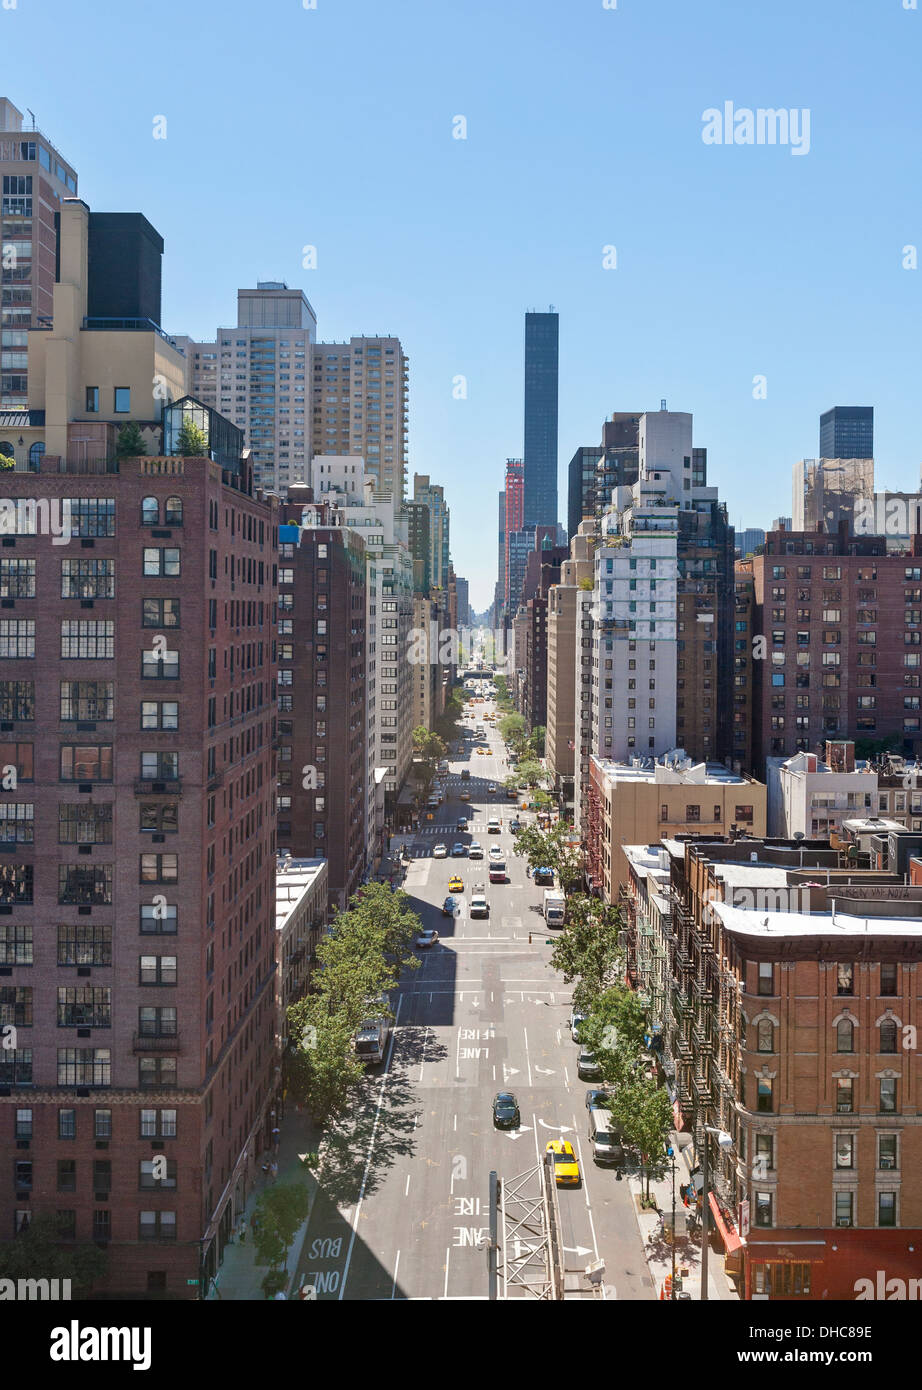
{"x":256,"y":375}
{"x":138,"y":941}
{"x":513,"y":521}
{"x":432,"y":495}
{"x":35,"y":178}
{"x":847,"y":432}
{"x":360,"y":407}
{"x":541,"y":334}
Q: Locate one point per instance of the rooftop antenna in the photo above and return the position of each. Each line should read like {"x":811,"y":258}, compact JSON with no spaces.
{"x":32,"y":114}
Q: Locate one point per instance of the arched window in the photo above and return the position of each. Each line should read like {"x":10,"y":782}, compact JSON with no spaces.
{"x":35,"y":455}
{"x":845,"y":1035}
{"x":150,"y":511}
{"x":6,"y":448}
{"x":172,"y":512}
{"x":888,"y":1035}
{"x":765,"y":1035}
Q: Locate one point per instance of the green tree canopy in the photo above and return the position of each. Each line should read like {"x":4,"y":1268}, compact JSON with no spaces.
{"x":555,"y":848}
{"x":588,"y":950}
{"x":192,"y":441}
{"x":281,"y":1209}
{"x":41,"y":1252}
{"x":643,"y":1111}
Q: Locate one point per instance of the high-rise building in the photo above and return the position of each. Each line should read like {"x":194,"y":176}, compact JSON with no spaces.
{"x":747,"y":540}
{"x":826,"y":491}
{"x":258,"y":375}
{"x":847,"y":432}
{"x":596,"y":470}
{"x":513,"y":524}
{"x":564,"y":643}
{"x":842,"y":625}
{"x":541,"y":340}
{"x":35,"y":178}
{"x":432,"y":495}
{"x":464,"y":607}
{"x":322,"y":681}
{"x":360,"y":399}
{"x":144,"y":812}
{"x":419,"y":522}
{"x":501,"y":560}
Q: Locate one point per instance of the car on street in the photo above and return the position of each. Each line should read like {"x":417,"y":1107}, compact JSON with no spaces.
{"x":497,"y":871}
{"x":462,"y":823}
{"x":587,"y":1066}
{"x":506,"y":1111}
{"x":496,"y":852}
{"x":427,"y":938}
{"x":448,"y":906}
{"x":440,"y":851}
{"x":458,"y":850}
{"x":566,"y":1167}
{"x":455,"y":884}
{"x":543,"y":877}
{"x":474,"y":850}
{"x":492,"y":788}
{"x":494,"y":826}
{"x":596,"y":1097}
{"x":479,"y":905}
{"x":573,"y":1023}
{"x":465,"y":796}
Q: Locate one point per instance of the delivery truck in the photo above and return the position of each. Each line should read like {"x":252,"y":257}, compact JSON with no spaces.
{"x":555,"y":907}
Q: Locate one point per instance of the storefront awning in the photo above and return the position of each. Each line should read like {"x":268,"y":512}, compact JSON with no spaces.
{"x":727,"y":1229}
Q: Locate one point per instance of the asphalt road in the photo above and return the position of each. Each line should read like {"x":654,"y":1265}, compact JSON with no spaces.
{"x":404,"y":1195}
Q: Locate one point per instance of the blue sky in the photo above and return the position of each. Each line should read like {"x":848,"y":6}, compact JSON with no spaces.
{"x":333,"y":127}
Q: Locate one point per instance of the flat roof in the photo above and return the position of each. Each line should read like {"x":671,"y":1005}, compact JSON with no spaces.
{"x":768,"y":924}
{"x":696,"y":775}
{"x":872,"y":825}
{"x":294,"y":878}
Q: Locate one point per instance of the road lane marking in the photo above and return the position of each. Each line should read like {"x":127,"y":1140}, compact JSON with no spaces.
{"x":447,"y":1260}
{"x":396,"y":1267}
{"x":371,"y":1147}
{"x":527,"y":1057}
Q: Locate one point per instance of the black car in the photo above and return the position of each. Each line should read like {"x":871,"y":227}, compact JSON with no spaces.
{"x":506,"y":1111}
{"x":448,"y":907}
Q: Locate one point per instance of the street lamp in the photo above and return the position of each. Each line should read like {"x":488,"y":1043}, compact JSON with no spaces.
{"x":724,"y":1141}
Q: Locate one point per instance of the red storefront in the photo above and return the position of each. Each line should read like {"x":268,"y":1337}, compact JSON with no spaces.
{"x":844,"y":1264}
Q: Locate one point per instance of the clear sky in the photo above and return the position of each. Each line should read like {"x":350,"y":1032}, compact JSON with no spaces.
{"x":332,"y":127}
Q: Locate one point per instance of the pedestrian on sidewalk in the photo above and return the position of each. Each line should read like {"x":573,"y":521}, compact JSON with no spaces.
{"x":243,"y":1230}
{"x":276,"y":1136}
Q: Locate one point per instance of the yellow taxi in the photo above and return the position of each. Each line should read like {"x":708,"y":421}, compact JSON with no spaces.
{"x":455,"y":884}
{"x":465,"y":796}
{"x":566,"y":1167}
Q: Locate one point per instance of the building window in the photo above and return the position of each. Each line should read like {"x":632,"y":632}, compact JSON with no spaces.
{"x":92,"y":400}
{"x":845,"y":979}
{"x":122,"y":400}
{"x":888,"y":1095}
{"x":888,"y":1035}
{"x":765,"y":1094}
{"x":845,"y":1035}
{"x":766,"y":977}
{"x":161,"y":561}
{"x":888,"y":979}
{"x":887,"y":1152}
{"x":844,"y":1208}
{"x":67,"y":1124}
{"x":763,"y":1209}
{"x":765,"y":1035}
{"x":845,"y":1095}
{"x":845,"y":1150}
{"x":157,"y":1225}
{"x":84,"y":944}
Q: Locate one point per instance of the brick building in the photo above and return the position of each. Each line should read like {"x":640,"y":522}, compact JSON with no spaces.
{"x":842,"y":652}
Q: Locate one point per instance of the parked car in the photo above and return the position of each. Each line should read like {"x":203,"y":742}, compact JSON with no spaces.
{"x":587,"y":1066}
{"x":575,"y":1020}
{"x":596,"y":1097}
{"x":506,"y":1111}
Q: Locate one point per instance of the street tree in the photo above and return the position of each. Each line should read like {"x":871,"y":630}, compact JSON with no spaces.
{"x":279,"y":1212}
{"x":555,"y":848}
{"x":588,"y":950}
{"x":643,"y":1111}
{"x":615,"y":1031}
{"x":42,"y":1250}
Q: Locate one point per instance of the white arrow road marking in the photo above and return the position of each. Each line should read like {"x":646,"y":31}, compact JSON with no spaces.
{"x":577,"y":1250}
{"x":517,"y":1133}
{"x":561,"y":1129}
{"x":544,"y":1071}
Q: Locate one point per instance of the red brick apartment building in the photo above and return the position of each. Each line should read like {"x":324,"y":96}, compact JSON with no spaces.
{"x":842,"y":623}
{"x":322,"y":693}
{"x":785,"y":988}
{"x":137,"y":858}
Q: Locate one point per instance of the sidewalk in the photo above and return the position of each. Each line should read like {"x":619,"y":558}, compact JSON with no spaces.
{"x":239,"y":1276}
{"x":688,"y":1249}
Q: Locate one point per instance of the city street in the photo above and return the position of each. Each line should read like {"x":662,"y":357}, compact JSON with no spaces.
{"x":404,"y":1199}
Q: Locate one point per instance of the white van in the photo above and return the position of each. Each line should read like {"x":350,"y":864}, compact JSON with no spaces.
{"x":606,"y":1142}
{"x":493,"y":826}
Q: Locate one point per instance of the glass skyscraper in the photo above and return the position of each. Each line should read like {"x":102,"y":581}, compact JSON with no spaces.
{"x":541,"y":419}
{"x":847,"y":432}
